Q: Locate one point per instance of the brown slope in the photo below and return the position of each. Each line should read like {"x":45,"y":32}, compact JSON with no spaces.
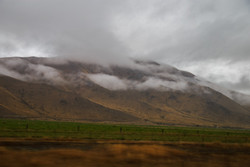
{"x":173,"y":107}
{"x":10,"y":106}
{"x":247,"y":107}
{"x":47,"y":102}
{"x":191,"y":107}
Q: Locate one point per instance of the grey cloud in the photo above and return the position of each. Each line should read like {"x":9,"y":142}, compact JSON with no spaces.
{"x":185,"y":34}
{"x":240,"y":98}
{"x":243,"y":85}
{"x":26,"y":71}
{"x":231,"y":75}
{"x":194,"y":34}
{"x":108,"y":81}
{"x":114,"y":83}
{"x":156,"y":83}
{"x":78,"y":29}
{"x":151,"y":76}
{"x":155,"y":76}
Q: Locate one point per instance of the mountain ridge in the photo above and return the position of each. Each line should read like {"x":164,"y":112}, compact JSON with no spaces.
{"x":140,"y":93}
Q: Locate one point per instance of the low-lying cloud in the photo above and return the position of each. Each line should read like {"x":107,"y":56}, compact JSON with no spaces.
{"x":161,"y":77}
{"x":231,"y":75}
{"x":115,"y":83}
{"x":108,"y":81}
{"x":156,"y":83}
{"x":151,"y":76}
{"x":209,"y":38}
{"x":26,"y":71}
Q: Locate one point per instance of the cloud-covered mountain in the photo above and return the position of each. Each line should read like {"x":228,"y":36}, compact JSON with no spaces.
{"x":137,"y":91}
{"x":209,"y":38}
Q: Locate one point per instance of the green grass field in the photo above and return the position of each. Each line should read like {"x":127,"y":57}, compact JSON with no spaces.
{"x":73,"y":130}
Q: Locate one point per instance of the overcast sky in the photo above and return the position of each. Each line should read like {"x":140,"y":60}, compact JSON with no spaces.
{"x":210,"y":38}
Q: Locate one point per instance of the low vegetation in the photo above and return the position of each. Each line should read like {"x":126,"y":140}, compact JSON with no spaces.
{"x":50,"y":153}
{"x":72,"y":130}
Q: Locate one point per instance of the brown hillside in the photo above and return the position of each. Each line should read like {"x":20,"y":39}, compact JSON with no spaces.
{"x":47,"y":102}
{"x":64,"y":91}
{"x":172,"y":107}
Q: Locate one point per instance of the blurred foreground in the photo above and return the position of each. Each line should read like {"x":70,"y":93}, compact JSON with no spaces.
{"x":63,"y":153}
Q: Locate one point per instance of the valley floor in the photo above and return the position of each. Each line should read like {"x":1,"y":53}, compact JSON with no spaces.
{"x":28,"y":143}
{"x":65,"y":152}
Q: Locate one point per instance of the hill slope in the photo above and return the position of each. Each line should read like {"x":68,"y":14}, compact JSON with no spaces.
{"x":141,"y":92}
{"x":41,"y":101}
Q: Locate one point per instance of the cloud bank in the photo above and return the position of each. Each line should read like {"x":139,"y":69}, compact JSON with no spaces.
{"x":115,"y":83}
{"x":209,"y":38}
{"x":140,"y":76}
{"x":26,"y":71}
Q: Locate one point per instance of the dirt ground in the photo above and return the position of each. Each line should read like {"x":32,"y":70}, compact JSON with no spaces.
{"x":109,"y":153}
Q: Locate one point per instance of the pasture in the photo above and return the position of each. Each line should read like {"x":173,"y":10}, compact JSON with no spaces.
{"x":73,"y":130}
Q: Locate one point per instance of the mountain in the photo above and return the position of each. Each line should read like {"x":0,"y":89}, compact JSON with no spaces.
{"x":139,"y":92}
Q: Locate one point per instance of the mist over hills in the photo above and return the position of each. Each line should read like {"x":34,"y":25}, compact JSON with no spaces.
{"x":138,"y":91}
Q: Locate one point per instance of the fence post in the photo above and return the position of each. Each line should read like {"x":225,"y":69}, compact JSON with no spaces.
{"x":120,"y":129}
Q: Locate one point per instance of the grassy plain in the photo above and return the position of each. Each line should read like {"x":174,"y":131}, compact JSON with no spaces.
{"x":73,"y":130}
{"x":46,"y":143}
